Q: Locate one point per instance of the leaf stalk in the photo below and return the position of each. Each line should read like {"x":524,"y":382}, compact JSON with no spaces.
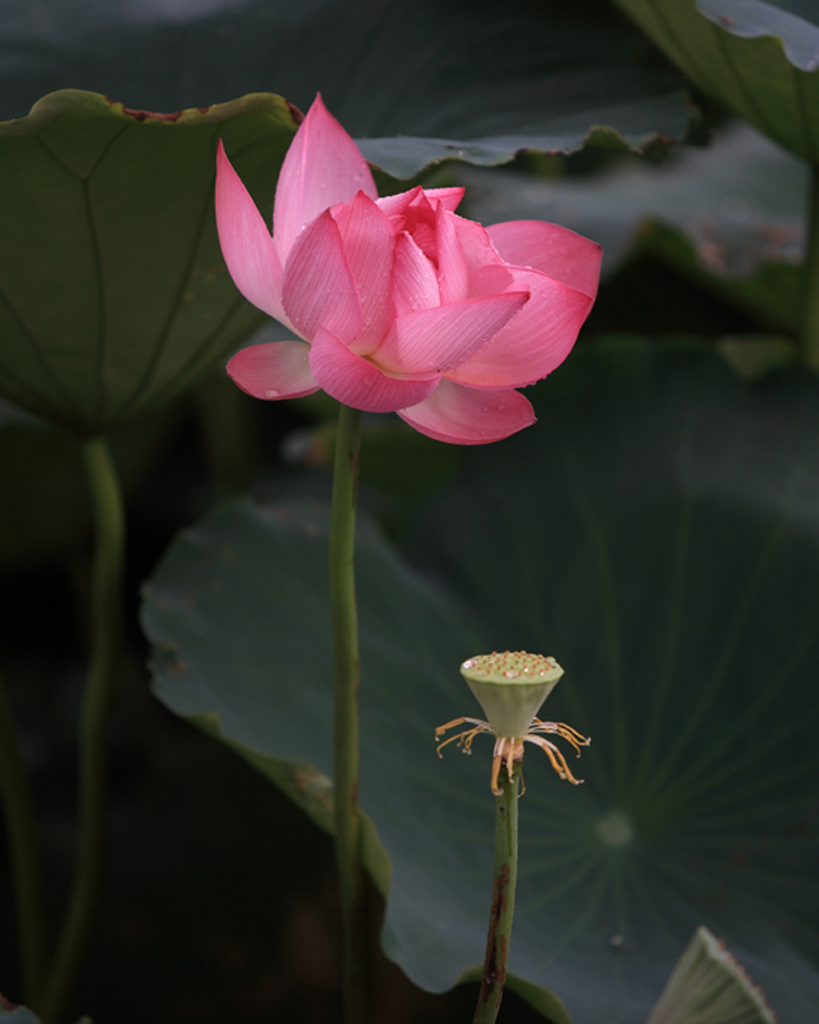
{"x":106,"y":624}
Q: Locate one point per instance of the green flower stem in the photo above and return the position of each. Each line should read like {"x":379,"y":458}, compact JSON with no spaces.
{"x":25,"y":854}
{"x":345,"y":639}
{"x":809,"y":325}
{"x":106,"y":619}
{"x":503,"y":899}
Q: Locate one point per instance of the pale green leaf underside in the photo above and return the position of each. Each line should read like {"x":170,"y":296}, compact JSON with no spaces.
{"x":710,"y":986}
{"x":792,"y":22}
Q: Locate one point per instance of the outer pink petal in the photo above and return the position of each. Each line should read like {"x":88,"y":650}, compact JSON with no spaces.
{"x":554,"y":250}
{"x":414,"y":280}
{"x":467,"y":416}
{"x":318,"y":289}
{"x":276,"y":369}
{"x":360,"y":384}
{"x":437,"y":340}
{"x":246,"y":243}
{"x":535,"y":342}
{"x":369,"y":243}
{"x":323,"y":167}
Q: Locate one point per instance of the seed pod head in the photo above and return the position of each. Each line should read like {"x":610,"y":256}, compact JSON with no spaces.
{"x":510,"y":687}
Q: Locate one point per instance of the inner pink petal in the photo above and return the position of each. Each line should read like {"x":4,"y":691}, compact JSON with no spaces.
{"x":394,"y":206}
{"x":447,"y":197}
{"x":452,"y":269}
{"x":419,"y":221}
{"x":368,"y":241}
{"x":277,"y":369}
{"x":358,"y":383}
{"x":323,"y":167}
{"x":487,"y":271}
{"x":414,"y":280}
{"x":318,"y":289}
{"x":459,"y":415}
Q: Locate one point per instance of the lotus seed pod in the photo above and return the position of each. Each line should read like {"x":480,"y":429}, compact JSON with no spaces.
{"x":511,"y":687}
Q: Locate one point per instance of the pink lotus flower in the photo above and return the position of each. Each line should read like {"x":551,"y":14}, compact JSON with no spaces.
{"x":403,"y":305}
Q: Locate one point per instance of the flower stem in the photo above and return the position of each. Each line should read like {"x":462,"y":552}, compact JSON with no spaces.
{"x":809,"y":322}
{"x":503,"y":899}
{"x":345,"y":640}
{"x":106,"y":619}
{"x":25,"y":855}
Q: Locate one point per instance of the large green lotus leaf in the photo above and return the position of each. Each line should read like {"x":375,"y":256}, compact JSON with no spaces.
{"x":758,"y":57}
{"x":658,"y":533}
{"x":113,"y":291}
{"x":255,"y":579}
{"x":421,"y":80}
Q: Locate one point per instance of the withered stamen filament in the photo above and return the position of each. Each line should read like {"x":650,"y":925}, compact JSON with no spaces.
{"x":556,"y":757}
{"x":463,"y":739}
{"x":509,"y":749}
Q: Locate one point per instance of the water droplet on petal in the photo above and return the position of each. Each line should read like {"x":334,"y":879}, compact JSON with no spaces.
{"x":272,"y":393}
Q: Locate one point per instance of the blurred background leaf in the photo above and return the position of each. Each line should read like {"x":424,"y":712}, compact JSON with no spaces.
{"x":658,"y":532}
